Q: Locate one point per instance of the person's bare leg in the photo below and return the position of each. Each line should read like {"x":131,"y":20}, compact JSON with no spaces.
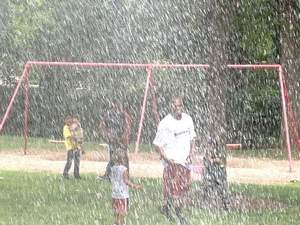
{"x":116,"y":219}
{"x":122,"y":219}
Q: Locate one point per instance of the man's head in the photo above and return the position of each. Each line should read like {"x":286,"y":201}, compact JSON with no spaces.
{"x":177,"y":107}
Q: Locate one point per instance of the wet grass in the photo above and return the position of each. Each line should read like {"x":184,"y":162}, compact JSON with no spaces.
{"x":35,"y":145}
{"x":16,"y":143}
{"x":41,"y":198}
{"x":270,"y":153}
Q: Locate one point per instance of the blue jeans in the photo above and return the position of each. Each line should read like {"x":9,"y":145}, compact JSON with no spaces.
{"x":72,"y":154}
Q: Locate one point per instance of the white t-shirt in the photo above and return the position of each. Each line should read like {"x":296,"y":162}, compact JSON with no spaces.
{"x":120,"y":190}
{"x":175,"y":137}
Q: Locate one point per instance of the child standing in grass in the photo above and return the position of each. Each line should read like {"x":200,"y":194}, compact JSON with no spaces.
{"x":119,"y":178}
{"x":72,"y":147}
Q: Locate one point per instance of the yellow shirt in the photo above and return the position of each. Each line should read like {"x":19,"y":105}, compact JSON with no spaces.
{"x":68,"y":138}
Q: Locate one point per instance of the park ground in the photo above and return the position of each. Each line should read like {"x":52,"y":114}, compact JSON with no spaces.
{"x":239,"y":170}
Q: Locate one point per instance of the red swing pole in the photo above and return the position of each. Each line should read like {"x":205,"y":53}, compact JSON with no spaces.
{"x":285,"y":117}
{"x":278,"y":67}
{"x":26,"y":108}
{"x":143,"y":109}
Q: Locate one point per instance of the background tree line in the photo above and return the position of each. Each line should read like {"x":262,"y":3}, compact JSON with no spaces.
{"x":170,"y":31}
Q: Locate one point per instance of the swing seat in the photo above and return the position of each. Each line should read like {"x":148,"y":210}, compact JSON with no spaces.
{"x":233,"y":146}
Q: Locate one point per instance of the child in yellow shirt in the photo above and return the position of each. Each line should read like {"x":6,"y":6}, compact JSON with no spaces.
{"x":72,"y":147}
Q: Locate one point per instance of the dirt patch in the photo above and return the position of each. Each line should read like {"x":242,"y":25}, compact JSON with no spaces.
{"x":239,"y":170}
{"x":235,"y":202}
{"x":99,"y":155}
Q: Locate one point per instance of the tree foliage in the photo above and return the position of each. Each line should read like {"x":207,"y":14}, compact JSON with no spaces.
{"x":153,"y":31}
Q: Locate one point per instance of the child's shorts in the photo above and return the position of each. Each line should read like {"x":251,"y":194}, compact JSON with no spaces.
{"x":120,"y":206}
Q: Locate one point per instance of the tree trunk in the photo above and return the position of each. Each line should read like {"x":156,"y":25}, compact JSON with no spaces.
{"x":290,"y":50}
{"x":290,"y":46}
{"x":215,"y":176}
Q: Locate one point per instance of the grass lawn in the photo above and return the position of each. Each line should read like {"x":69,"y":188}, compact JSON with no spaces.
{"x":36,"y":145}
{"x":15,"y":143}
{"x":270,"y":153}
{"x":41,"y":198}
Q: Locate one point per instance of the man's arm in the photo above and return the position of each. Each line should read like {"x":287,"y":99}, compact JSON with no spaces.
{"x":162,"y":154}
{"x":192,"y":142}
{"x":192,"y":150}
{"x":159,"y":142}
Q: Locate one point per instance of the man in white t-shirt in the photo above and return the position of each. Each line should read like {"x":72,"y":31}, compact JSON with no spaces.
{"x":175,"y":143}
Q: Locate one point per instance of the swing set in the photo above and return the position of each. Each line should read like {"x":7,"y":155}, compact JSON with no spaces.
{"x":289,"y":118}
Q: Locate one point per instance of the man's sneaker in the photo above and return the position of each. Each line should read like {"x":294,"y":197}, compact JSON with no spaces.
{"x":165,"y":210}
